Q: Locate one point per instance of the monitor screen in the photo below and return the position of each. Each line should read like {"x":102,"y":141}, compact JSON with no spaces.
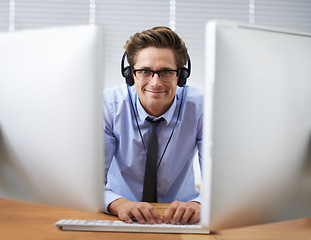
{"x":257,"y":125}
{"x":51,"y":117}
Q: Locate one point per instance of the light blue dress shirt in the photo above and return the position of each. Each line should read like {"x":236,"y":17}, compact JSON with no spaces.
{"x":125,"y":156}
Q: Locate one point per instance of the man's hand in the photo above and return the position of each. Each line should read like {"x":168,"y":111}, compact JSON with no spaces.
{"x":183,"y":212}
{"x":126,"y":210}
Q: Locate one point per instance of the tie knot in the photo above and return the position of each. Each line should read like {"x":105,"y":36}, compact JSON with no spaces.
{"x":155,"y":122}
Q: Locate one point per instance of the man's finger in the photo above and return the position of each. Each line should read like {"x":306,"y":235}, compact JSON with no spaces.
{"x":194,"y":218}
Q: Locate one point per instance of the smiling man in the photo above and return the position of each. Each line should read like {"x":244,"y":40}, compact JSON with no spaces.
{"x":153,"y":129}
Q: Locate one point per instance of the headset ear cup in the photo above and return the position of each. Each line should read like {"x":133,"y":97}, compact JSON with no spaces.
{"x":127,"y":72}
{"x":183,"y":75}
{"x":128,"y":75}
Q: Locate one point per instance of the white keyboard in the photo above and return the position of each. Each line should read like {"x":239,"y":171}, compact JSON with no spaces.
{"x":119,"y":226}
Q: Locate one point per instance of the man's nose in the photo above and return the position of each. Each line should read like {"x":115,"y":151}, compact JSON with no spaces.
{"x":156,"y":79}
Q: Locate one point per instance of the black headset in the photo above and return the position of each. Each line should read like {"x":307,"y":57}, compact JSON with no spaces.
{"x":127,"y":73}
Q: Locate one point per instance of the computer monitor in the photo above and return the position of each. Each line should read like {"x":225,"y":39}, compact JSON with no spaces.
{"x":257,"y":125}
{"x":51,"y":147}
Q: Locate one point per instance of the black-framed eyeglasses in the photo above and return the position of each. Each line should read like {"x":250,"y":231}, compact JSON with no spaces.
{"x":164,"y":75}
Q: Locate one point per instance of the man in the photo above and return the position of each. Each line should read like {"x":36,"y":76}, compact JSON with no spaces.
{"x":155,"y":92}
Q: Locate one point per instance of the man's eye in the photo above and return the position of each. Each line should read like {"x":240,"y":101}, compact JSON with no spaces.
{"x":167,"y":72}
{"x":145,"y":72}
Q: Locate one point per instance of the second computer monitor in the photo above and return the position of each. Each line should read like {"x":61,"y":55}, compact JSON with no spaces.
{"x":257,"y":127}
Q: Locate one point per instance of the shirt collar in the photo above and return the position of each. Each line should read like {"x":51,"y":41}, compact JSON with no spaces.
{"x":168,"y":115}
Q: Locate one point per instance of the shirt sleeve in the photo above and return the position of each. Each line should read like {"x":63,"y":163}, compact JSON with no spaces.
{"x":197,"y":199}
{"x":199,"y":147}
{"x":109,"y":197}
{"x":110,"y":140}
{"x":200,"y":142}
{"x":110,"y":148}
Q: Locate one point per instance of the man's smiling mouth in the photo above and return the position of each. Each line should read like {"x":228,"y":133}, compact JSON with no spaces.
{"x":154,"y":91}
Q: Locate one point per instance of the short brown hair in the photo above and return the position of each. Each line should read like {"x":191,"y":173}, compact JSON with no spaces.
{"x":160,"y":37}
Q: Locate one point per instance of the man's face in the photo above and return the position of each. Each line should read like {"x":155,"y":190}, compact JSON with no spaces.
{"x":155,"y":96}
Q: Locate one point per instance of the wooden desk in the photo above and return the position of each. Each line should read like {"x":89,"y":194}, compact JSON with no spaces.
{"x":23,"y":220}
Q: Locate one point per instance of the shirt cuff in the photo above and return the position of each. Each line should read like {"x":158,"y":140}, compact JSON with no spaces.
{"x":197,"y":199}
{"x":109,"y":197}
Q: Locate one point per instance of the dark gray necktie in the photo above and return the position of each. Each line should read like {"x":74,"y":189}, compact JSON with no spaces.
{"x":150,"y":181}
